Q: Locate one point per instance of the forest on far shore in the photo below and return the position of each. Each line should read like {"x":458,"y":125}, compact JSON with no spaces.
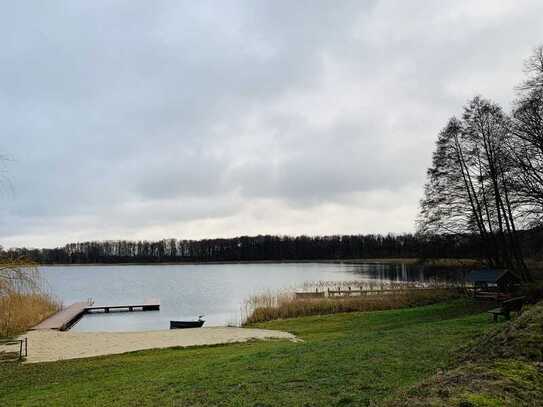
{"x":273,"y":248}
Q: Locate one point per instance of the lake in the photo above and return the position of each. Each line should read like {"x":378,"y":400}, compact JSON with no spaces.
{"x":217,"y":291}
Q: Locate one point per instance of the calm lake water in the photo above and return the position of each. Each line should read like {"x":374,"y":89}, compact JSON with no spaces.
{"x":217,"y":291}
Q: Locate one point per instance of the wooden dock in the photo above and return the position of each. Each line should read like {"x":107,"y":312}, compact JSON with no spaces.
{"x":148,"y":305}
{"x":349,"y":292}
{"x":66,"y":318}
{"x":339,"y":293}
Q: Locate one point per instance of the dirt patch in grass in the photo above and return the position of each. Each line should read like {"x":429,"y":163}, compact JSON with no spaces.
{"x":506,"y":382}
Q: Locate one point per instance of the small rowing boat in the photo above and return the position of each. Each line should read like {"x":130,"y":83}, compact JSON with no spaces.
{"x":187,"y":324}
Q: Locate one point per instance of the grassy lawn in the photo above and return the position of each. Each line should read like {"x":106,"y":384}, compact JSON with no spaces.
{"x":345,"y":359}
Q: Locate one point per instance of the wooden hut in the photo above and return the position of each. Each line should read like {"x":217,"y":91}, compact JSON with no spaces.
{"x":492,"y":280}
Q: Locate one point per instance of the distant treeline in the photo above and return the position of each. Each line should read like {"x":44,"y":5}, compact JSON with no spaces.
{"x":274,"y":248}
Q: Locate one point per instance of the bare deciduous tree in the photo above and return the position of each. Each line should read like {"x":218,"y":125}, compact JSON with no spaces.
{"x":527,"y":141}
{"x":470,"y":184}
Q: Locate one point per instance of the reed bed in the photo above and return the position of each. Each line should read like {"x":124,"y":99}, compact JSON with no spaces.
{"x":21,"y":311}
{"x":24,"y":300}
{"x":323,"y":285}
{"x":376,"y":285}
{"x":270,"y":306}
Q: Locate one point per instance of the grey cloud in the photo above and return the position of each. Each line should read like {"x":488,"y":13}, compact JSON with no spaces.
{"x":338,"y":161}
{"x":218,"y":118}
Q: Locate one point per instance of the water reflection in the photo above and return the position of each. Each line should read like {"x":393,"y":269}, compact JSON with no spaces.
{"x":415,"y":273}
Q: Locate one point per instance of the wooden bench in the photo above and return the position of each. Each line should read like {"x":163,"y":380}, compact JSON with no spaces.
{"x":512,"y":305}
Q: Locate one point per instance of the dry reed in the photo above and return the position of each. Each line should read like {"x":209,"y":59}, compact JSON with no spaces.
{"x":267,"y":307}
{"x":24,"y":302}
{"x":19,"y":312}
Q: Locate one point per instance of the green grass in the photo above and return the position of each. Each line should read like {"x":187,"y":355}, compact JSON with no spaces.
{"x":503,"y":367}
{"x":344,"y":359}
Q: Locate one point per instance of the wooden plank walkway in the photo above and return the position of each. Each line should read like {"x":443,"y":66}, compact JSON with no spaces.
{"x":67,"y":317}
{"x":148,"y":305}
{"x":349,"y":292}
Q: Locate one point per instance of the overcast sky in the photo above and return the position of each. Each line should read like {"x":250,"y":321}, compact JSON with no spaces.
{"x":157,"y":119}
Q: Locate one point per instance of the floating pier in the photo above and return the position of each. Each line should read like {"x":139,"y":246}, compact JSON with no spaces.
{"x":66,"y":318}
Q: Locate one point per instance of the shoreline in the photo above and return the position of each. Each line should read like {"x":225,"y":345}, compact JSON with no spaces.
{"x":226,"y":262}
{"x":443,"y":262}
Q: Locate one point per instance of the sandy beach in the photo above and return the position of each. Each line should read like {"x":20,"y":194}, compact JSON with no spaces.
{"x":52,"y":345}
